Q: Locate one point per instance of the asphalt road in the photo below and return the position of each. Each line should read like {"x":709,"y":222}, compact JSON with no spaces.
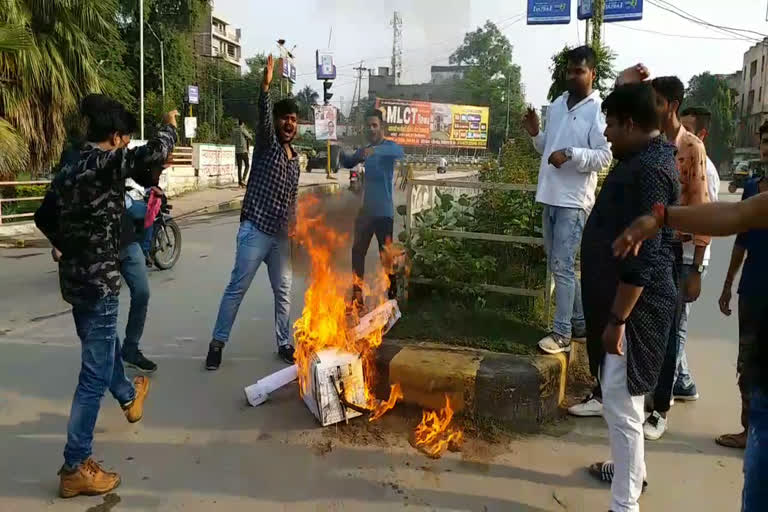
{"x":200,"y":448}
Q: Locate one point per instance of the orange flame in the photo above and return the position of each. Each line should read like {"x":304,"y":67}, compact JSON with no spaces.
{"x":328,"y":309}
{"x":395,"y":394}
{"x":434,"y":435}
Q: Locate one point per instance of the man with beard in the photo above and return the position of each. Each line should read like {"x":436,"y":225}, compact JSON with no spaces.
{"x":376,"y":216}
{"x":266,"y":223}
{"x":574,"y":150}
{"x":630,"y":304}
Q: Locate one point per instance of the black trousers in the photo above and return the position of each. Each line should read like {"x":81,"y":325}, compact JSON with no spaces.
{"x":241,"y":159}
{"x":664,"y":387}
{"x":366,"y":227}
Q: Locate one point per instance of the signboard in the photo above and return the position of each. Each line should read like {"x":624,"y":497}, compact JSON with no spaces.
{"x":288,"y":69}
{"x":422,"y":123}
{"x":615,"y":10}
{"x":193,"y":94}
{"x":325,"y":122}
{"x":326,"y":69}
{"x":549,"y":12}
{"x":190,"y":127}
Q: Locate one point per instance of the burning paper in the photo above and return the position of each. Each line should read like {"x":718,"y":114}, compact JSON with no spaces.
{"x":434,"y":434}
{"x":336,"y":379}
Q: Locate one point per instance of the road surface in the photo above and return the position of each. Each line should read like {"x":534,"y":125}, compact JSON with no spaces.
{"x":200,"y":448}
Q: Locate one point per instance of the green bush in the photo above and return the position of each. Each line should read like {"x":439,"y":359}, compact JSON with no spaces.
{"x":19,"y":207}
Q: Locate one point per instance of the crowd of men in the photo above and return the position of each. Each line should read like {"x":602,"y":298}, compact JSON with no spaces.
{"x":643,"y":255}
{"x":633,"y":302}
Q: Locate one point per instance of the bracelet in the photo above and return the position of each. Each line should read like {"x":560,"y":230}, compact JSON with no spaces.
{"x":615,"y":320}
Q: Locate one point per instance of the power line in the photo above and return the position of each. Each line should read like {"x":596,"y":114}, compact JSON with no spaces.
{"x":699,"y":21}
{"x":682,"y":36}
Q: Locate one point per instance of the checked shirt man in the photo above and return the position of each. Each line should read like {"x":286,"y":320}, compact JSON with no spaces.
{"x":266,"y":222}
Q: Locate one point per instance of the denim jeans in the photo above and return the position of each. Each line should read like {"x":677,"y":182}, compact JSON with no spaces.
{"x":137,"y":211}
{"x":366,"y":227}
{"x":683,"y":379}
{"x":134,"y":271}
{"x":755,"y":494}
{"x":101,"y":369}
{"x":253,"y":247}
{"x":562,"y":228}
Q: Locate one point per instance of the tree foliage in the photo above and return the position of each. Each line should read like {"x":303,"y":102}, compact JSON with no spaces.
{"x":604,"y":68}
{"x":306,"y":99}
{"x":45,"y":77}
{"x":712,"y":92}
{"x":493,"y":79}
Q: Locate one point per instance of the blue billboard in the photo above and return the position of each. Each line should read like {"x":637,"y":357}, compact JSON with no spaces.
{"x":615,"y":10}
{"x":549,"y":12}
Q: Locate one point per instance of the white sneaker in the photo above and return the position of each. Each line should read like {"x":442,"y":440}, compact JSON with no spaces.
{"x":553,"y":343}
{"x":655,"y":426}
{"x":590,"y":406}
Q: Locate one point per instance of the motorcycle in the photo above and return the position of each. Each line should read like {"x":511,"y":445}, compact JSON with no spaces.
{"x":165,"y":246}
{"x":356,"y":177}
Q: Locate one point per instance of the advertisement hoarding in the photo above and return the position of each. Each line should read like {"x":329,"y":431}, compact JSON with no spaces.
{"x":325,"y":122}
{"x":193,"y":94}
{"x":422,"y":123}
{"x":288,"y":69}
{"x":549,"y":12}
{"x":615,"y":10}
{"x":326,"y":69}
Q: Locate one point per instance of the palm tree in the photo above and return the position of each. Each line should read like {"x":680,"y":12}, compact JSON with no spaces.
{"x":46,"y":72}
{"x":306,"y":98}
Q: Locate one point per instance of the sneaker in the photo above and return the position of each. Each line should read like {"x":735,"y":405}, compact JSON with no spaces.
{"x":286,"y":353}
{"x":554,"y":343}
{"x":579,"y":334}
{"x":604,"y":471}
{"x":140,"y":363}
{"x":655,"y":426}
{"x":213,"y":359}
{"x":88,"y":478}
{"x":686,"y":394}
{"x":134,"y":411}
{"x":590,"y":406}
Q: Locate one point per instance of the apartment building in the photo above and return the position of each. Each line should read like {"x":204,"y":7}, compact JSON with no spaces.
{"x":219,"y":39}
{"x":753,"y":103}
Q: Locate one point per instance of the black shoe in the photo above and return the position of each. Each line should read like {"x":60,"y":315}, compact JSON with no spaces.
{"x":141,"y":363}
{"x":213,"y":360}
{"x":286,"y":353}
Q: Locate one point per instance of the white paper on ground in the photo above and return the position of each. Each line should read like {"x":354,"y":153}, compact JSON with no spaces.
{"x":258,"y":393}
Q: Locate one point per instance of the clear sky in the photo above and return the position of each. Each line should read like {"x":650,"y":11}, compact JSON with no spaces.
{"x":361,"y":30}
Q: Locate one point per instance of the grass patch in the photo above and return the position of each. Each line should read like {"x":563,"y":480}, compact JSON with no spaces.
{"x":440,"y":320}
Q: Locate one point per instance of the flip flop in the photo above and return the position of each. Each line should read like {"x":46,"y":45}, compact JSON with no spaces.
{"x":603,"y":471}
{"x":731,"y":441}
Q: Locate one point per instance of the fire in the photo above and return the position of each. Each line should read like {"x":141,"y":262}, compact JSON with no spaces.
{"x":395,"y":394}
{"x":324,"y":321}
{"x":434,"y":434}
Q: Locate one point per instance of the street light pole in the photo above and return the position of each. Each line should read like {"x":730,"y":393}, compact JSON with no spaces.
{"x":162,"y":61}
{"x":141,"y":68}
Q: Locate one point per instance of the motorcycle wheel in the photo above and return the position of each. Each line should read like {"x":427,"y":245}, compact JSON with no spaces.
{"x":166,"y":245}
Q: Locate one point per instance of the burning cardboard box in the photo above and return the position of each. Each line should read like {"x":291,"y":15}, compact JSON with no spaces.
{"x":336,"y":380}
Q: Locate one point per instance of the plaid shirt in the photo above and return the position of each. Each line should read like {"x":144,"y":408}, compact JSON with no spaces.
{"x":270,"y":199}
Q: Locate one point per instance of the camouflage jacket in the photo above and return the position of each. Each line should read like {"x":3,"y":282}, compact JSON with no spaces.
{"x":81,"y":214}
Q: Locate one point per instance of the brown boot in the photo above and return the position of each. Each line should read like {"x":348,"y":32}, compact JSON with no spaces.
{"x":135,"y":410}
{"x":88,"y":479}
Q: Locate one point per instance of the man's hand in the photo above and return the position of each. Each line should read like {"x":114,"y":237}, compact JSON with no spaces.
{"x":558,"y":158}
{"x":268,"y":72}
{"x":631,"y":239}
{"x":56,"y":254}
{"x":531,"y":122}
{"x":725,"y":300}
{"x":368,"y":152}
{"x":158,"y":191}
{"x":633,"y":75}
{"x":612,"y":339}
{"x":692,"y":287}
{"x":170,"y":118}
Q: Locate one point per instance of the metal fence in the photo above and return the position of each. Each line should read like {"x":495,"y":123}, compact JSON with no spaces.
{"x":545,"y":293}
{"x":5,"y":217}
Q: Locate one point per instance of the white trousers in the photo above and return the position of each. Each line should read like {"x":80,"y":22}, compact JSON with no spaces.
{"x":624,"y":415}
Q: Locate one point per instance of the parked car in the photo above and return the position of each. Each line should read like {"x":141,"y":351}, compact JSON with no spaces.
{"x":320,"y":160}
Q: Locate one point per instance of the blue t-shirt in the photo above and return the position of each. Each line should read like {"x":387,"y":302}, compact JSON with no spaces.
{"x":754,"y":275}
{"x":379,"y":177}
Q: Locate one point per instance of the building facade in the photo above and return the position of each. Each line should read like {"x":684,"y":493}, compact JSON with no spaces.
{"x":753,"y":103}
{"x":219,"y":39}
{"x":381,"y":84}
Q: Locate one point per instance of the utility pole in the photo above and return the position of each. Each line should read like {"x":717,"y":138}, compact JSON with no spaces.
{"x":162,"y":61}
{"x":141,"y":68}
{"x":506,"y":130}
{"x":359,"y":91}
{"x":397,"y":46}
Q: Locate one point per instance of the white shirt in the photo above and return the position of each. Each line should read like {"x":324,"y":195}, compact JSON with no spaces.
{"x":442,"y":162}
{"x":581,"y":129}
{"x":713,"y":187}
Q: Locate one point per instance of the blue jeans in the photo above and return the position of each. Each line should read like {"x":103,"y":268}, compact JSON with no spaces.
{"x":101,"y":369}
{"x":755,"y":494}
{"x":134,"y":271}
{"x":253,"y":247}
{"x":683,"y":379}
{"x":137,"y":211}
{"x":562,"y":228}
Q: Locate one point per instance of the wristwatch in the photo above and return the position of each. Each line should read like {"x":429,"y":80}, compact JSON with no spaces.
{"x":700,"y":269}
{"x":615,"y":320}
{"x":569,"y":153}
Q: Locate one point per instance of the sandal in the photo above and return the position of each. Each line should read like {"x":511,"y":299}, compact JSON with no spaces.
{"x":733,"y":440}
{"x":603,"y":471}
